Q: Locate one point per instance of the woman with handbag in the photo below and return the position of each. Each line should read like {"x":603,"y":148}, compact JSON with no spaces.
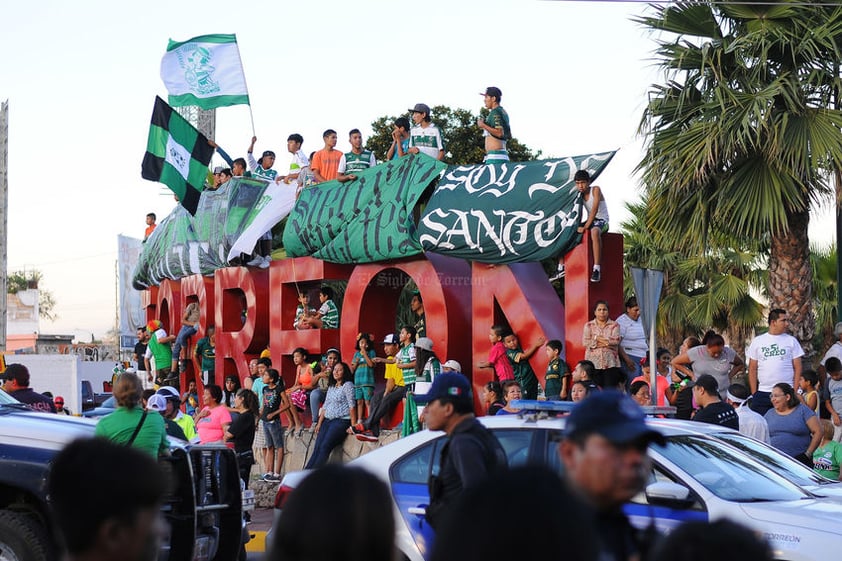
{"x":130,"y":424}
{"x":241,"y":431}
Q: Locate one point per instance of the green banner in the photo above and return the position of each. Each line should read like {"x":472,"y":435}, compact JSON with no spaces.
{"x":362,"y":221}
{"x":508,"y":212}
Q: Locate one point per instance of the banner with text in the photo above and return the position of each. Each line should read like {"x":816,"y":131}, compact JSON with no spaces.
{"x":508,"y":212}
{"x":365,"y":220}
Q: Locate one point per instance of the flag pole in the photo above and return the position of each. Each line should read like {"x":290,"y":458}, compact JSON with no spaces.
{"x":251,"y":114}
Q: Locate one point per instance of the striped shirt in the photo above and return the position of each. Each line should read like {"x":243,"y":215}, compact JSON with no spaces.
{"x":407,"y":354}
{"x":330,"y":315}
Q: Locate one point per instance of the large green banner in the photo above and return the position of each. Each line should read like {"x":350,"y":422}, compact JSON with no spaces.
{"x":508,"y":212}
{"x":365,"y":220}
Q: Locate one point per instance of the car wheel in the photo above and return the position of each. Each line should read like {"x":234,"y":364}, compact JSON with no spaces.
{"x":21,"y":538}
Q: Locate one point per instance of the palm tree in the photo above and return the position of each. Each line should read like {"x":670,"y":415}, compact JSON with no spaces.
{"x":823,"y":263}
{"x":741,"y":135}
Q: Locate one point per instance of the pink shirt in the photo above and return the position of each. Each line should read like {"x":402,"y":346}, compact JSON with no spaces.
{"x":210,"y":427}
{"x":602,"y":357}
{"x":498,"y":359}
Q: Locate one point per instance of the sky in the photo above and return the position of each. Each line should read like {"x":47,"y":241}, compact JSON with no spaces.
{"x":81,"y":78}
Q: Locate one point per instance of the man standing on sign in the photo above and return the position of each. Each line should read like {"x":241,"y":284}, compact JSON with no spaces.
{"x":495,"y":128}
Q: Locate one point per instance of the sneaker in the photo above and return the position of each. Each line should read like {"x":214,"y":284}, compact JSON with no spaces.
{"x":267,"y":477}
{"x":558,"y":275}
{"x":367,"y":436}
{"x":255,"y":262}
{"x":264,"y":262}
{"x":596,"y":276}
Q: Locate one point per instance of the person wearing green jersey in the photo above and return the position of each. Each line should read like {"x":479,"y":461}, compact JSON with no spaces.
{"x":495,"y":127}
{"x":350,"y":163}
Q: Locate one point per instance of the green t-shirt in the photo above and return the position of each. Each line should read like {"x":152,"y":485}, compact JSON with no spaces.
{"x":524,"y":374}
{"x":207,"y":353}
{"x":161,"y":352}
{"x":827,"y":459}
{"x":330,"y":315}
{"x":119,"y":426}
{"x":498,"y":118}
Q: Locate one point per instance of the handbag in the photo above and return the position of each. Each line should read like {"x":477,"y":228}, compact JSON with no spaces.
{"x":245,"y":458}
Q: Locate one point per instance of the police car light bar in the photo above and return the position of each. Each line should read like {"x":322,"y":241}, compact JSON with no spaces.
{"x":536,"y":406}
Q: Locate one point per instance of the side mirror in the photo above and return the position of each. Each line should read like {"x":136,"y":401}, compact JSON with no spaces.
{"x":673,"y":495}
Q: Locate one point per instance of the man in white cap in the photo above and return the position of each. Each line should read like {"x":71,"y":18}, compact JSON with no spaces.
{"x":383,"y":403}
{"x":451,"y":366}
{"x":834,"y":350}
{"x":751,"y":423}
{"x":158,"y":403}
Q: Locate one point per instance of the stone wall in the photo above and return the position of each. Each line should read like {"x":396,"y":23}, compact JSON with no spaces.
{"x":296,"y":454}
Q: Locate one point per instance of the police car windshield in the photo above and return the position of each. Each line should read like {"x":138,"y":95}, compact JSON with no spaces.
{"x":725,"y":472}
{"x":794,"y":470}
{"x":6,"y":399}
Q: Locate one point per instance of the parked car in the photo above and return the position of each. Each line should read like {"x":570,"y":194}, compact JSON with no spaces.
{"x":695,"y":476}
{"x":203,"y":510}
{"x":101,"y":410}
{"x":90,"y":398}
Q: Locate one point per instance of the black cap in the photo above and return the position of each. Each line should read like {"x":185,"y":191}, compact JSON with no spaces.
{"x":447,"y":384}
{"x":613,"y":415}
{"x":17,"y":372}
{"x":493,"y":92}
{"x":420,"y":108}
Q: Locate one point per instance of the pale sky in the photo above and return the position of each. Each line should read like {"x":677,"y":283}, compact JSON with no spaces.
{"x":81,"y":78}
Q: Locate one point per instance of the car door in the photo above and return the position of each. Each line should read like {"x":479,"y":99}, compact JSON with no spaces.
{"x":409,"y":477}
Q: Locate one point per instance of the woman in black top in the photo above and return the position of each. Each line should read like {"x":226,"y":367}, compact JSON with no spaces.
{"x":229,"y":390}
{"x":241,"y":431}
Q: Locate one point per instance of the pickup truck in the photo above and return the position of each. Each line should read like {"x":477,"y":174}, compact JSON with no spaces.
{"x":203,"y":511}
{"x":91,"y":399}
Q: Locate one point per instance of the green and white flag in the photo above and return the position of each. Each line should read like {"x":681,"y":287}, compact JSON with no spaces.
{"x":205,"y":71}
{"x":177,"y":155}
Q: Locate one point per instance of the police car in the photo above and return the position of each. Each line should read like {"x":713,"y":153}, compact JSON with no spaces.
{"x":203,"y":510}
{"x":695,"y":476}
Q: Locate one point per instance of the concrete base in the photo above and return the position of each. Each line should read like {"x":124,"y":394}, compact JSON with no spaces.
{"x":296,"y":454}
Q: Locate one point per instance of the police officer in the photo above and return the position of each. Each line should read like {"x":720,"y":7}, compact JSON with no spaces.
{"x":604,"y":454}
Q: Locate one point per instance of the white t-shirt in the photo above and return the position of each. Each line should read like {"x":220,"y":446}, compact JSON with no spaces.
{"x":428,"y":140}
{"x":753,"y":424}
{"x":632,"y":336}
{"x":299,"y":162}
{"x":834,"y":350}
{"x":774,"y":355}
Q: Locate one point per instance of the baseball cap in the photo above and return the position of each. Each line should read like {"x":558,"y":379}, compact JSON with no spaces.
{"x":17,"y":372}
{"x":838,"y":329}
{"x":447,"y":384}
{"x":453,"y":365}
{"x":59,"y":400}
{"x":493,"y":92}
{"x":424,"y":343}
{"x":218,"y":169}
{"x":156,"y":402}
{"x":612,"y":415}
{"x":390,"y":339}
{"x":168,"y":392}
{"x":420,"y":108}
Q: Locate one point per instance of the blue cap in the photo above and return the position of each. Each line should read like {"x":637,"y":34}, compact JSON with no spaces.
{"x":612,"y":415}
{"x":448,"y":384}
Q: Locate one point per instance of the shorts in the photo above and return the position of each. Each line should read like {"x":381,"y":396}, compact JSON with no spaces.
{"x":600,"y":224}
{"x":273,"y":432}
{"x":496,"y":156}
{"x":363,"y":392}
{"x":259,"y":440}
{"x":166,"y":377}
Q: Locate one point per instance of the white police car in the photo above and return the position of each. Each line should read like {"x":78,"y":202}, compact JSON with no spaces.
{"x":695,"y":476}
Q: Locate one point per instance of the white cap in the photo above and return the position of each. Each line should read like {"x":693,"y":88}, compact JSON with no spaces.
{"x":453,"y":365}
{"x":156,"y":402}
{"x":424,"y":343}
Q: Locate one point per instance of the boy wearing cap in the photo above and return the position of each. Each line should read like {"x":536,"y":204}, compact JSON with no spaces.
{"x":383,"y":403}
{"x":471,"y":453}
{"x":263,"y":167}
{"x":356,"y":160}
{"x":325,"y":164}
{"x":425,"y":137}
{"x":495,"y":127}
{"x":608,"y":430}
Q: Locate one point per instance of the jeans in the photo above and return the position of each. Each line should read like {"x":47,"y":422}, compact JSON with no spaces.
{"x":331,"y":434}
{"x":382,"y":405}
{"x":184,"y":333}
{"x":317,"y":397}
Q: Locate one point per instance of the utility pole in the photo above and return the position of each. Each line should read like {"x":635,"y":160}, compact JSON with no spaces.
{"x":4,"y":225}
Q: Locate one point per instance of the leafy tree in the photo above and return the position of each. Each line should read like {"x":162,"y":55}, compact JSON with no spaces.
{"x":742,"y":133}
{"x":23,"y":280}
{"x":463,"y":140}
{"x":823,"y":263}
